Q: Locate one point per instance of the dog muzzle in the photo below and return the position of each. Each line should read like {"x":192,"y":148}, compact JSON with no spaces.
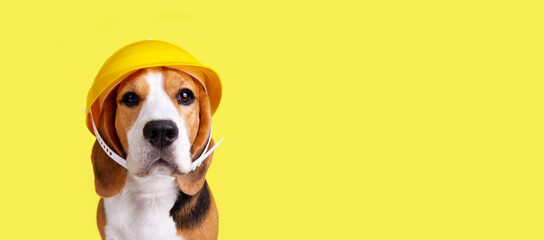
{"x":121,"y":161}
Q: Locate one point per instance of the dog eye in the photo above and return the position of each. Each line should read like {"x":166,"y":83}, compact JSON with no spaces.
{"x":130,"y":99}
{"x":185,"y":96}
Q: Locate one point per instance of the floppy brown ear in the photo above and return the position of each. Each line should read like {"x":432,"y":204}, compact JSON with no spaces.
{"x":109,"y":176}
{"x":192,"y":182}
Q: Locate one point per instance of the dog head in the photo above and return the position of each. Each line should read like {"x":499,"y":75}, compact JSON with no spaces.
{"x":159,"y":119}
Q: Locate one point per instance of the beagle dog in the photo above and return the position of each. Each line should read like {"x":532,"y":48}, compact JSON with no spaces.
{"x":159,"y":120}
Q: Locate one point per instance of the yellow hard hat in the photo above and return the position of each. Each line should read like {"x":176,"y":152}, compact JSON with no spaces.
{"x":142,"y":54}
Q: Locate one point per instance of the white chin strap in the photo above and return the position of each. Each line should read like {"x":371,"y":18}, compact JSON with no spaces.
{"x":123,"y":162}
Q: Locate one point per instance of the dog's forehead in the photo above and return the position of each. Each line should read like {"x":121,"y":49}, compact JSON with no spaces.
{"x":175,"y":79}
{"x":172,"y":79}
{"x":135,"y":82}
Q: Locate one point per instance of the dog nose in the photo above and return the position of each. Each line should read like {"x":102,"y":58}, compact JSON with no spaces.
{"x":160,"y":133}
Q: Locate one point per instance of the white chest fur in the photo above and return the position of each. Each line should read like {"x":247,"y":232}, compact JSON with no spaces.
{"x":142,"y":210}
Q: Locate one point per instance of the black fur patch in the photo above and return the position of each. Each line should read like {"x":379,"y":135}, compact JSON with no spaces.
{"x":189,"y":211}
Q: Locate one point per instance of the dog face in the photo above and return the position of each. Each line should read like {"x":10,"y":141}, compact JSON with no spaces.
{"x":157,"y":119}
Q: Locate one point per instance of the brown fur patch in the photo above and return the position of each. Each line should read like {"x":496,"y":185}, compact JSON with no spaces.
{"x":192,"y":182}
{"x":126,"y":116}
{"x":208,"y":229}
{"x":174,"y":81}
{"x":109,"y":177}
{"x":101,"y":218}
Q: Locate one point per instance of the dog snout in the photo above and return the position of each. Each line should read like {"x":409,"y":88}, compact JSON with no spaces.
{"x":161,"y":133}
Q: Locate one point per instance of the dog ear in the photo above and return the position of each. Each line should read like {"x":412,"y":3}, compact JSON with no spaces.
{"x":109,"y":176}
{"x":192,"y":182}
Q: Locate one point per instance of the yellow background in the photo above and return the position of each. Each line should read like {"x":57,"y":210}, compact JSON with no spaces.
{"x":343,"y":120}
